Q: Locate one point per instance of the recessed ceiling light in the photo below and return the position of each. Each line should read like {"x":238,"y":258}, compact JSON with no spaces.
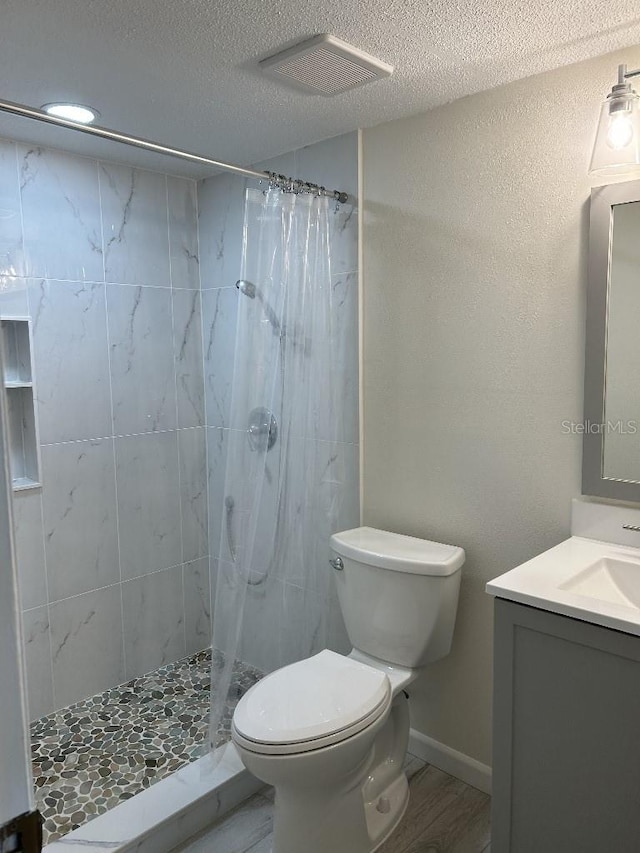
{"x":72,"y":112}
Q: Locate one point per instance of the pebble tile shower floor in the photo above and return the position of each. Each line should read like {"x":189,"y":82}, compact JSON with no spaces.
{"x":91,"y":756}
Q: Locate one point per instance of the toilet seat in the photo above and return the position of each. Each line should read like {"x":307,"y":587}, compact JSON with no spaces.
{"x":311,"y":704}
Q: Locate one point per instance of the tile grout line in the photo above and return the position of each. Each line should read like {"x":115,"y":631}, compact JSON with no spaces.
{"x":112,"y":585}
{"x":116,"y":435}
{"x":46,"y":568}
{"x":204,"y":408}
{"x":210,"y":558}
{"x":41,"y":497}
{"x":113,"y":442}
{"x":175,"y":387}
{"x":165,"y":432}
{"x":19,"y":182}
{"x":58,"y":280}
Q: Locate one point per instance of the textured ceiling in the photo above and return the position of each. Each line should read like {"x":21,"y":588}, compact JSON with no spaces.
{"x":185,"y":72}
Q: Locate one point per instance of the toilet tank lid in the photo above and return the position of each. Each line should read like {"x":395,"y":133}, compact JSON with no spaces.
{"x":397,"y":552}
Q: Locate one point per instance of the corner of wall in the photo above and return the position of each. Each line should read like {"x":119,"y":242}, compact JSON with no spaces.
{"x":360,"y":202}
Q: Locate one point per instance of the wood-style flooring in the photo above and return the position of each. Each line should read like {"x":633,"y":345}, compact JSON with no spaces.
{"x":444,"y":816}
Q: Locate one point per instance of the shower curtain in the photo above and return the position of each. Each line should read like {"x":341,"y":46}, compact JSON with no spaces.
{"x":284,"y":484}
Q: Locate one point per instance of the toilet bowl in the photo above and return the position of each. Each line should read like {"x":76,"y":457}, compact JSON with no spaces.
{"x":330,"y":732}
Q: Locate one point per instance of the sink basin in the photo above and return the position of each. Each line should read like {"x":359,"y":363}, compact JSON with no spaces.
{"x":608,"y":579}
{"x":588,"y":579}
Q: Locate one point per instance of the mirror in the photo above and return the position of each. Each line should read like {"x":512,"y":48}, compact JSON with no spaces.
{"x":611,"y":455}
{"x":621,"y":451}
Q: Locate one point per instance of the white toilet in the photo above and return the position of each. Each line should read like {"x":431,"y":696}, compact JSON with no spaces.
{"x":330,"y":732}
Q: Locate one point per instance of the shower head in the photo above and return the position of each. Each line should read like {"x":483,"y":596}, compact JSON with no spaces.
{"x":246,"y":287}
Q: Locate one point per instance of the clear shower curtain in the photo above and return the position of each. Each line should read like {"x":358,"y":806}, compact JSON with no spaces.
{"x":284,"y":487}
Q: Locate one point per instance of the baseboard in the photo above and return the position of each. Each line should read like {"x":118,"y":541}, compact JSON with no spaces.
{"x":455,"y":763}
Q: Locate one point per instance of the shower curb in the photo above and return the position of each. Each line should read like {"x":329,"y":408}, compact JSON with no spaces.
{"x":168,"y":813}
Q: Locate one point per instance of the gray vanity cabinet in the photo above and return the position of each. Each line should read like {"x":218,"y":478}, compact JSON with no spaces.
{"x":566,"y":753}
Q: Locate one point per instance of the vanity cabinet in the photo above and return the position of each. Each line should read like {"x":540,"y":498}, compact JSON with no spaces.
{"x":566,"y":753}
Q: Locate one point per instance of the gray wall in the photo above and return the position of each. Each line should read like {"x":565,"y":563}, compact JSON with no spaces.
{"x":310,"y":621}
{"x":113,"y":550}
{"x":475,"y":243}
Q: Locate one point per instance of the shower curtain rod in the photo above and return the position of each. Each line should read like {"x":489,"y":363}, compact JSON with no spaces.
{"x":281,"y":181}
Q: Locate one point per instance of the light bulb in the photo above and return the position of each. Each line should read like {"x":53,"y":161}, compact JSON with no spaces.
{"x":616,"y":148}
{"x":620,"y":132}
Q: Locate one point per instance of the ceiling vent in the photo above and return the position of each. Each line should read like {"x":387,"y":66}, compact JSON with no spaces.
{"x":325,"y":65}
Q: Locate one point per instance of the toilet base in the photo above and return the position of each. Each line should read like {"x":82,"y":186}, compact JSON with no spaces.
{"x":382,"y":823}
{"x":351,"y":826}
{"x":345,"y":798}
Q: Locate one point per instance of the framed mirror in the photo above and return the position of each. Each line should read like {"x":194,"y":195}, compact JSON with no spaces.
{"x":611,"y":449}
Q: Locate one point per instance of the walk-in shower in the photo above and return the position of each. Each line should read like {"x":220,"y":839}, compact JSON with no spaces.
{"x":130,"y":543}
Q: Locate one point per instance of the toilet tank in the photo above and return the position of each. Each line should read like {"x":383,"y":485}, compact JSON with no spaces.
{"x":398,"y":594}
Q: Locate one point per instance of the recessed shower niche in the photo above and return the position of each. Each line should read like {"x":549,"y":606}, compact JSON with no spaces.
{"x":24,"y":446}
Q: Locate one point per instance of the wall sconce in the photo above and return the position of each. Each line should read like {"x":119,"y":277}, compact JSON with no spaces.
{"x":616,"y":149}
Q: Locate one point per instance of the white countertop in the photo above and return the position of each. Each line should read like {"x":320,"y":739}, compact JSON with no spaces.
{"x":537,"y":583}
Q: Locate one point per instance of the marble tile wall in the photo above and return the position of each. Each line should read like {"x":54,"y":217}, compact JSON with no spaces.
{"x":128,"y":277}
{"x":311,"y":620}
{"x":113,"y":551}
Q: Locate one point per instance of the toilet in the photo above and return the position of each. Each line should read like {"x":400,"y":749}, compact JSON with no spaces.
{"x":330,"y":733}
